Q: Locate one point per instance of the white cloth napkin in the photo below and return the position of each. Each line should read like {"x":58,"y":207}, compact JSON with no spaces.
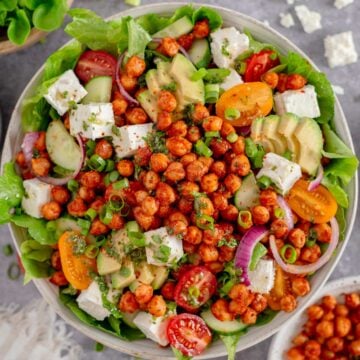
{"x":35,"y":332}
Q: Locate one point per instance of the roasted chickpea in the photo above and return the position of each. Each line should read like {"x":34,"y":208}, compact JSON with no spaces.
{"x":312,"y":349}
{"x":193,"y":134}
{"x":178,"y":227}
{"x":310,"y":254}
{"x":259,"y":304}
{"x":20,"y":159}
{"x":212,"y":123}
{"x":323,"y":232}
{"x":86,"y":194}
{"x":77,"y":207}
{"x":186,"y":206}
{"x":51,"y":210}
{"x":201,"y":29}
{"x":164,"y":120}
{"x":260,"y":215}
{"x":219,"y":200}
{"x":219,"y":147}
{"x":238,"y":147}
{"x":231,"y":213}
{"x":167,"y":102}
{"x":58,"y":278}
{"x":175,"y":172}
{"x":157,"y":306}
{"x":209,"y":183}
{"x":195,"y":171}
{"x":295,"y":82}
{"x":279,"y":228}
{"x":165,"y":193}
{"x":119,"y":106}
{"x":352,"y":301}
{"x":188,"y":159}
{"x":281,"y":85}
{"x":240,"y":165}
{"x":169,"y":46}
{"x":159,"y":162}
{"x":167,"y":290}
{"x":144,"y":220}
{"x":140,"y":196}
{"x":357,"y":331}
{"x":98,"y":228}
{"x":125,"y":167}
{"x":91,"y":179}
{"x":220,"y":309}
{"x":297,"y":237}
{"x":342,"y":326}
{"x":300,"y":339}
{"x":186,"y":40}
{"x":55,"y":260}
{"x":329,"y":315}
{"x":237,"y":307}
{"x":226,"y":129}
{"x":268,"y":197}
{"x":178,"y":146}
{"x":295,"y":354}
{"x":249,"y":317}
{"x":288,"y":303}
{"x":116,"y":222}
{"x":204,"y":206}
{"x":104,"y":149}
{"x":193,"y":235}
{"x":135,"y":116}
{"x":335,"y":344}
{"x":270,"y":78}
{"x":151,"y":180}
{"x":97,"y":204}
{"x":177,"y":128}
{"x":341,"y":310}
{"x":163,"y":211}
{"x":128,"y":82}
{"x":208,"y":253}
{"x":135,"y":66}
{"x":354,"y":348}
{"x":300,"y":286}
{"x":219,"y":168}
{"x":177,"y":215}
{"x":60,"y":194}
{"x":226,"y":253}
{"x":189,"y":248}
{"x":199,"y":113}
{"x":212,"y":237}
{"x":187,"y":189}
{"x":128,"y":303}
{"x":143,"y":293}
{"x":150,"y":205}
{"x":232,"y":183}
{"x":329,"y":302}
{"x":40,"y":166}
{"x":315,"y":312}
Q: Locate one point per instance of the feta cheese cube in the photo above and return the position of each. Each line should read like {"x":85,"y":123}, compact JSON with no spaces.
{"x":282,"y":172}
{"x":263,"y":277}
{"x":92,"y":121}
{"x":302,"y":102}
{"x":226,"y":45}
{"x":65,"y":91}
{"x":286,"y":20}
{"x":231,"y":80}
{"x":90,"y":301}
{"x":154,"y":328}
{"x":339,"y":4}
{"x":310,"y":20}
{"x":130,"y":138}
{"x":340,"y":49}
{"x":37,"y":194}
{"x":162,"y":248}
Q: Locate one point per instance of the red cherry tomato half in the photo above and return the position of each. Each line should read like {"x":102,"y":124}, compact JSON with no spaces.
{"x":189,"y":334}
{"x":258,"y":64}
{"x":95,"y":63}
{"x":195,"y":288}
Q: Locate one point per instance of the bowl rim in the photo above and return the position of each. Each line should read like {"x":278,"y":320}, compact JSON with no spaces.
{"x":334,"y":287}
{"x":43,"y":285}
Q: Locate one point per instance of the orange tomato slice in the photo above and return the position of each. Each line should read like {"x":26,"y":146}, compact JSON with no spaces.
{"x":252,"y":100}
{"x":76,"y":268}
{"x":317,"y":206}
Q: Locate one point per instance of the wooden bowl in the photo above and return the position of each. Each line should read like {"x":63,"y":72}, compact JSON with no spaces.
{"x":7,"y":47}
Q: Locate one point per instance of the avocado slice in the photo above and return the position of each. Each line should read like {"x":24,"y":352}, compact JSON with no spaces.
{"x":269,"y":130}
{"x":287,"y":127}
{"x":163,"y":76}
{"x":161,"y":274}
{"x":309,"y":135}
{"x":144,"y":272}
{"x":149,"y":104}
{"x":125,"y":276}
{"x":257,"y":135}
{"x":188,"y":91}
{"x":107,"y":264}
{"x":152,"y":82}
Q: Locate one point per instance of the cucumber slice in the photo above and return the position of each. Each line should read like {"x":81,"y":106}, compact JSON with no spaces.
{"x":99,"y":90}
{"x":180,"y":27}
{"x":62,"y":147}
{"x":129,"y":319}
{"x":248,"y":194}
{"x":65,"y":224}
{"x":222,"y":327}
{"x":200,"y":53}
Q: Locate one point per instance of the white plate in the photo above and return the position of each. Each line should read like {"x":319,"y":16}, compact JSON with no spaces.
{"x":282,"y":341}
{"x":148,"y":349}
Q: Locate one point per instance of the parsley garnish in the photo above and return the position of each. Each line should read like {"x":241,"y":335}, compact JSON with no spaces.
{"x":156,"y":142}
{"x":170,"y":87}
{"x":224,"y":47}
{"x":163,"y":253}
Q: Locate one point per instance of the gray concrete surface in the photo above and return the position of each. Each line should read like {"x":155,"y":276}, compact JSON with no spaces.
{"x":17,"y":69}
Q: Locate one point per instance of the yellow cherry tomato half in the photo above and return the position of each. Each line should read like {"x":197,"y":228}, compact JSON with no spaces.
{"x":249,"y":100}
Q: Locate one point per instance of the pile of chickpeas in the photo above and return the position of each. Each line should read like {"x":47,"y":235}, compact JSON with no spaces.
{"x":331,"y":332}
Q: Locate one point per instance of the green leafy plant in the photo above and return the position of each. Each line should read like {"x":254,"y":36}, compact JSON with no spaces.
{"x":19,"y":16}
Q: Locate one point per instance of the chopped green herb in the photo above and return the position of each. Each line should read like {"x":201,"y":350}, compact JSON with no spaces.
{"x":156,"y":142}
{"x":163,"y":253}
{"x":224,"y":47}
{"x":79,"y":244}
{"x":170,"y":87}
{"x":115,"y":130}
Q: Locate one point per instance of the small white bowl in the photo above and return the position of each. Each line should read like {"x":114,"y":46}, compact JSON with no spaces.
{"x":146,"y":349}
{"x":282,"y":341}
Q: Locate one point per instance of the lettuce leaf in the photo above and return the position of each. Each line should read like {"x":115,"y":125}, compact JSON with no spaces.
{"x":325,"y":94}
{"x":138,"y":39}
{"x":33,"y":250}
{"x":35,"y":269}
{"x":344,"y":168}
{"x":179,"y":355}
{"x":152,"y":23}
{"x":215,"y":19}
{"x":230,"y":342}
{"x":333,"y":185}
{"x":341,"y":219}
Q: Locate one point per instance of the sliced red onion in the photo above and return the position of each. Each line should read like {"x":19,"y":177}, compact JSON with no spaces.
{"x":317,"y":181}
{"x":184,"y":52}
{"x":27,"y":145}
{"x":157,"y":40}
{"x":288,"y":216}
{"x":245,"y":130}
{"x":64,"y":180}
{"x":245,"y":249}
{"x":310,"y":268}
{"x":123,"y":92}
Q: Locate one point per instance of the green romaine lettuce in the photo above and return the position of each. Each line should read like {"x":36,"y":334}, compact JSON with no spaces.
{"x":19,"y":27}
{"x":230,"y":342}
{"x":33,"y":250}
{"x":35,"y":269}
{"x":138,"y":39}
{"x":333,"y":185}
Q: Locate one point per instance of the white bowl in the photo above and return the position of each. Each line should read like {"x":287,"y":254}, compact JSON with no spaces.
{"x":282,"y":341}
{"x":148,"y":349}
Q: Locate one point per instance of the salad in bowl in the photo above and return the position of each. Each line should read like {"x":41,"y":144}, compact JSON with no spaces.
{"x":177,"y":179}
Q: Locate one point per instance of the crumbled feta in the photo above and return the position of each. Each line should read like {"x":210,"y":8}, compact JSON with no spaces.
{"x":154,"y":328}
{"x":340,"y":49}
{"x":37,"y":194}
{"x":338,"y":89}
{"x":339,"y":4}
{"x":286,"y":20}
{"x":90,"y":301}
{"x":302,"y":102}
{"x":282,"y":172}
{"x":226,"y":45}
{"x":310,"y":20}
{"x":232,"y":80}
{"x":263,"y":277}
{"x":92,"y":121}
{"x":65,"y":92}
{"x":130,"y":138}
{"x":162,"y":248}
